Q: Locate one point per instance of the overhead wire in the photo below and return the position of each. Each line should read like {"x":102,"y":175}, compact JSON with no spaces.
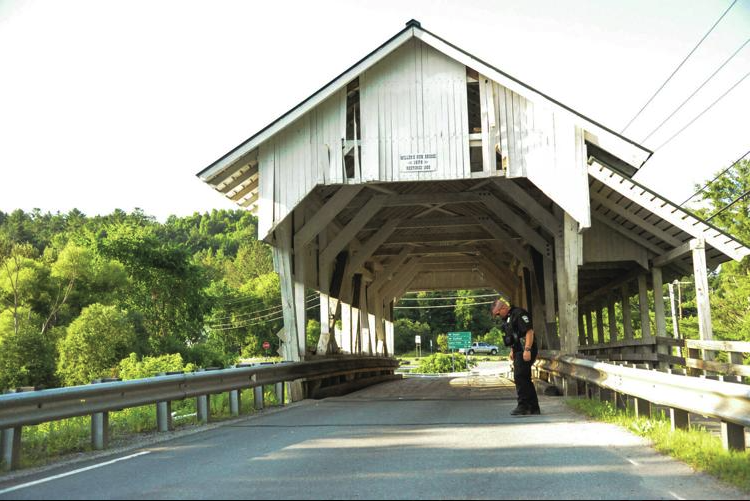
{"x":256,"y":323}
{"x":439,"y":306}
{"x":714,"y":179}
{"x":247,"y":314}
{"x":678,"y":67}
{"x":444,"y":298}
{"x":276,"y":312}
{"x":702,"y":112}
{"x":728,"y":205}
{"x":695,"y":92}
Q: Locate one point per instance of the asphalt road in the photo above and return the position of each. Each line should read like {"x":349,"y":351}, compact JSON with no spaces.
{"x":420,"y":438}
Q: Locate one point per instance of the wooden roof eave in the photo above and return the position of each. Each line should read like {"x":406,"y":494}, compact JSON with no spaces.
{"x":671,"y":213}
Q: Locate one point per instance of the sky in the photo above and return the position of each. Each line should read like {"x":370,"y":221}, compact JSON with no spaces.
{"x":109,"y":104}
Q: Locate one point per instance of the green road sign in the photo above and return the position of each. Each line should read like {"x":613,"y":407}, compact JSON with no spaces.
{"x":458,"y":340}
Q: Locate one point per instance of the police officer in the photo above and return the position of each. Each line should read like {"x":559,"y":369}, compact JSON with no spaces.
{"x":522,"y":353}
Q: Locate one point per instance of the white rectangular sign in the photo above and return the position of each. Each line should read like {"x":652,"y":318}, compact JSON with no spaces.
{"x":418,"y":339}
{"x":418,"y":162}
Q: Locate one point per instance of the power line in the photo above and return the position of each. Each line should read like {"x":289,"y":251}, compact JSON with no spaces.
{"x":678,"y":67}
{"x":251,"y":313}
{"x":702,"y":112}
{"x":276,"y":312}
{"x":256,"y":323}
{"x":695,"y":92}
{"x":728,"y":205}
{"x":714,"y":179}
{"x":440,"y":306}
{"x":444,"y":298}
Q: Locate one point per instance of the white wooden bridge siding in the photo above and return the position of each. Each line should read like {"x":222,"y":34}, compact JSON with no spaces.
{"x":543,"y":145}
{"x":414,"y":101}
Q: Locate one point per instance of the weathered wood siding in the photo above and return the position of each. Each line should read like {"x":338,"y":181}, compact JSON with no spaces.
{"x":294,"y":161}
{"x":602,"y":245}
{"x":414,"y":101}
{"x":544,"y":146}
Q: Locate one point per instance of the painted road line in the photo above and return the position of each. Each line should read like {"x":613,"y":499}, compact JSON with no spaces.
{"x":74,"y":472}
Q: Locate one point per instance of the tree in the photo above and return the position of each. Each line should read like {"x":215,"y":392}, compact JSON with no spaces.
{"x":730,"y":297}
{"x":27,"y":357}
{"x":405,"y":331}
{"x":94,"y":344}
{"x":165,"y":286}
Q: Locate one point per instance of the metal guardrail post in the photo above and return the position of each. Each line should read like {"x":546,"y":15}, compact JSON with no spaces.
{"x":11,"y":448}
{"x":10,"y":441}
{"x":258,"y":398}
{"x":234,"y":402}
{"x":202,"y":405}
{"x":164,"y":421}
{"x":100,"y":422}
{"x":280,"y":393}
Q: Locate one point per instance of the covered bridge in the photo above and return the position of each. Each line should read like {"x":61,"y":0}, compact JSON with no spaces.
{"x":422,"y":167}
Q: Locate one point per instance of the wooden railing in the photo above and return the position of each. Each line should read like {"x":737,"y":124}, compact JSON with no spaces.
{"x":695,"y":356}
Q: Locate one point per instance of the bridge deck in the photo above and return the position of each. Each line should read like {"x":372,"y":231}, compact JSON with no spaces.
{"x":416,"y":438}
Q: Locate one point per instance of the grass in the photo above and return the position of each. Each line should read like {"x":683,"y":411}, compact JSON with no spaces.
{"x":697,"y":447}
{"x":45,"y":442}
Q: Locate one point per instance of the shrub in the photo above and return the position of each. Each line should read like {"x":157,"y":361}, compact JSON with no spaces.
{"x":95,"y":343}
{"x":441,"y":363}
{"x":132,"y":368}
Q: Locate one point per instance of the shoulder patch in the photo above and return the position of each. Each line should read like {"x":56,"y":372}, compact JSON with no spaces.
{"x":525,"y":318}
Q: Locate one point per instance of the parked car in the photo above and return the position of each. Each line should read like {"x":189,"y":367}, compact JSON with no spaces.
{"x":480,"y":348}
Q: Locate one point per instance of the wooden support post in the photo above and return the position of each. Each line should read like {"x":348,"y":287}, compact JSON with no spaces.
{"x":659,"y":315}
{"x":589,"y":327}
{"x":643,"y":306}
{"x":680,"y":419}
{"x":566,"y":260}
{"x":581,"y":330}
{"x":280,"y":393}
{"x":733,"y":436}
{"x":282,"y":259}
{"x":300,"y":306}
{"x":612,"y":320}
{"x":549,"y":303}
{"x":705,"y":328}
{"x":389,"y":330}
{"x":675,"y":318}
{"x":599,"y":324}
{"x":627,"y":321}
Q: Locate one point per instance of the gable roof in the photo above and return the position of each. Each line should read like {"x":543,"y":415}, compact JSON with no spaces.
{"x":604,"y":138}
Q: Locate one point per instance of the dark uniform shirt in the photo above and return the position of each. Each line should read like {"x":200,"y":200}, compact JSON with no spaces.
{"x":520,"y":323}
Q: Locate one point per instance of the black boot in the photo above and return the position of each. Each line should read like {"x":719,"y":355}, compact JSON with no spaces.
{"x":521,"y":410}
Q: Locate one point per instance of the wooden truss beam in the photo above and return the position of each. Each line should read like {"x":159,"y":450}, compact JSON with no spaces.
{"x":326,"y":214}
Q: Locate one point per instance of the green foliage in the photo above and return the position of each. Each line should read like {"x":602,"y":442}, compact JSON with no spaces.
{"x":135,"y":368}
{"x":27,"y":357}
{"x":313,"y":333}
{"x":405,"y":331}
{"x":95,"y":342}
{"x":441,"y":363}
{"x":696,"y":446}
{"x":164,"y":277}
{"x":442,"y":342}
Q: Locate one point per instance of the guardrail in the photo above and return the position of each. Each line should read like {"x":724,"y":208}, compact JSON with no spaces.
{"x":695,"y":355}
{"x":97,"y":400}
{"x":680,"y":394}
